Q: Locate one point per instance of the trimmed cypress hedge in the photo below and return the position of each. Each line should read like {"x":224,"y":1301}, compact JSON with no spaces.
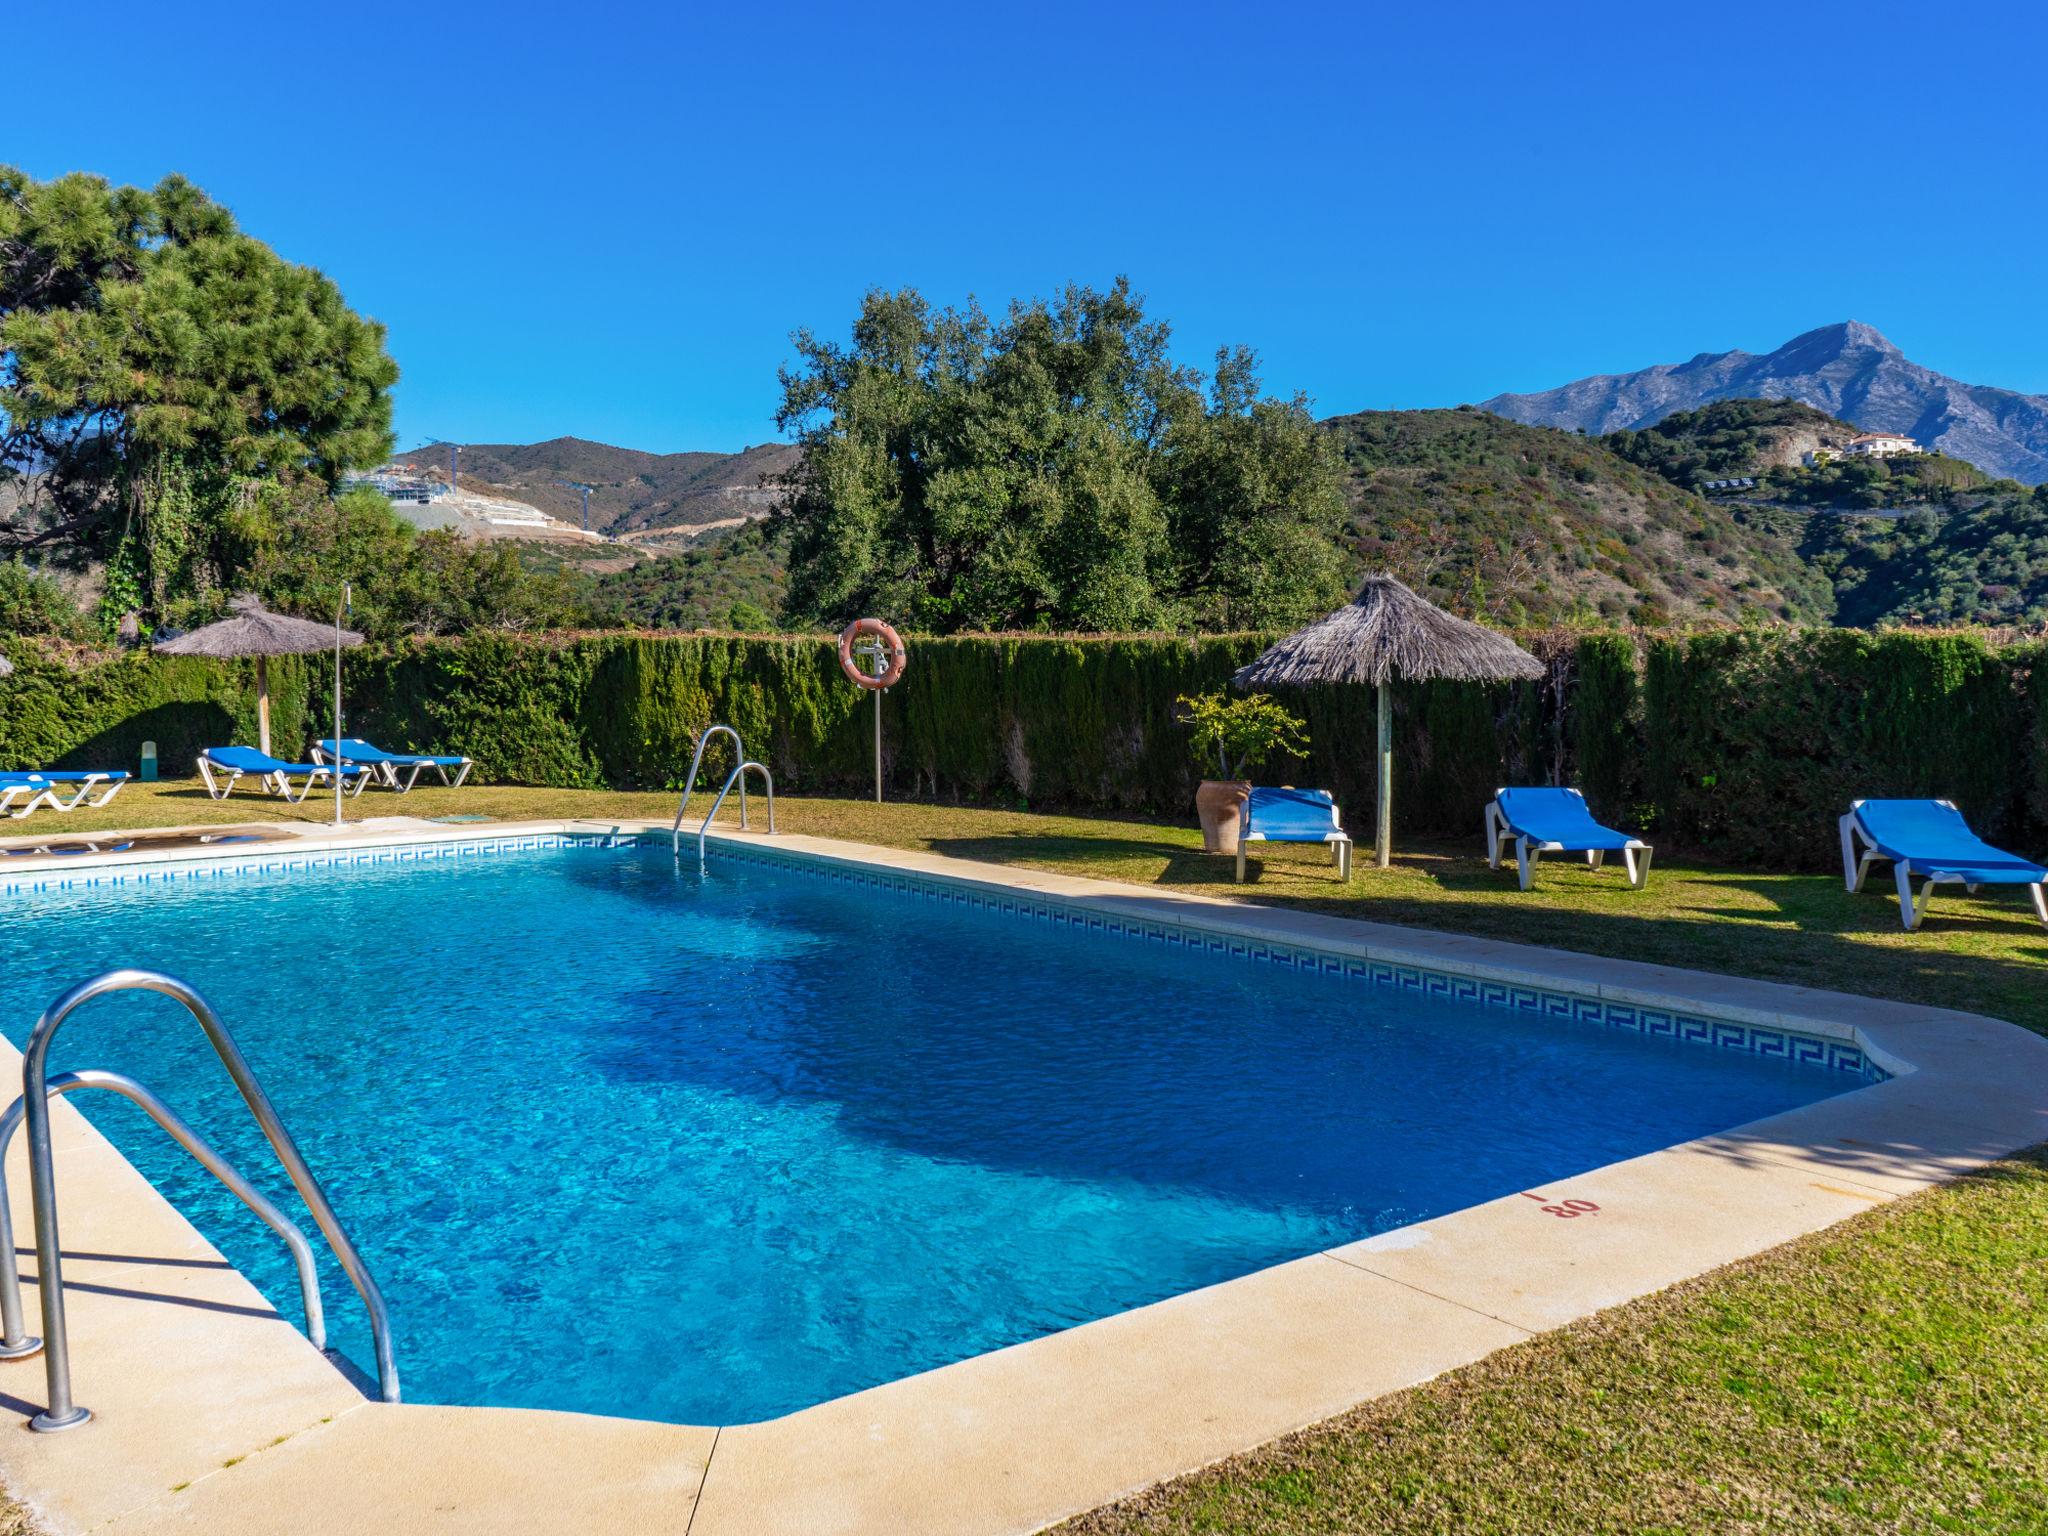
{"x":1740,"y":744}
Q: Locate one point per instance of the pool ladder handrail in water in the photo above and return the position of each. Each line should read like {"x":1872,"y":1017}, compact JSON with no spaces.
{"x":33,"y":1107}
{"x":737,"y":776}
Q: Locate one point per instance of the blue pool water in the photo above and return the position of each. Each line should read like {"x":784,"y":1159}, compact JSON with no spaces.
{"x":622,"y":1138}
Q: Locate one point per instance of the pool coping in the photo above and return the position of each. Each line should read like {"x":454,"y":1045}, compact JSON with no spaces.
{"x":251,"y":1421}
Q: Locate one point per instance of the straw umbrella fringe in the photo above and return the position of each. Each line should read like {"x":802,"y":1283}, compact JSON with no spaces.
{"x":1384,"y":633}
{"x":252,"y":630}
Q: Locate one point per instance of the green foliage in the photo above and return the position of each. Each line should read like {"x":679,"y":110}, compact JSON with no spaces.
{"x":747,"y":619}
{"x":1862,"y":484}
{"x":1985,"y":563}
{"x":1756,"y":741}
{"x":1607,"y":723}
{"x":1054,"y":471}
{"x":56,"y":713}
{"x":299,"y":550}
{"x":701,"y":587}
{"x":1240,"y":733}
{"x":1744,"y":744}
{"x":1726,"y":439}
{"x":33,"y":603}
{"x":1528,"y":525}
{"x":155,"y":362}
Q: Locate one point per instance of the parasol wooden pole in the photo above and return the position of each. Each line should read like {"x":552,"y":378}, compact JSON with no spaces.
{"x":263,"y":705}
{"x":1383,"y":837}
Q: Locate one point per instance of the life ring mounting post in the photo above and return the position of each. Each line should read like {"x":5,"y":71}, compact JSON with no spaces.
{"x":876,"y":641}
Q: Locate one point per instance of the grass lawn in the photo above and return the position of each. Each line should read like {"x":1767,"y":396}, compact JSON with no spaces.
{"x":1890,"y":1374}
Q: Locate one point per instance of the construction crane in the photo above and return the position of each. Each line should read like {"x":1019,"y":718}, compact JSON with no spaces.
{"x":578,"y":485}
{"x":454,"y":464}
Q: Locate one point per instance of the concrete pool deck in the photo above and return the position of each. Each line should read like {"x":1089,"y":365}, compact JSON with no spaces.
{"x":214,"y":1414}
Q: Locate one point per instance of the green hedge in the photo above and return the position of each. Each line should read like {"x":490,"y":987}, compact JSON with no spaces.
{"x":1740,"y":744}
{"x":59,"y":712}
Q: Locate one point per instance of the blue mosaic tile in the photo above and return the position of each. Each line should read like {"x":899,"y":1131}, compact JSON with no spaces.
{"x":1834,"y":1055}
{"x":1724,"y":1034}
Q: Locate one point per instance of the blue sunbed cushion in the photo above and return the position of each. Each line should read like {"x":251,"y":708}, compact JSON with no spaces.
{"x":1290,"y":815}
{"x":249,"y":760}
{"x":1931,"y":838}
{"x":1545,"y":815}
{"x":354,"y":749}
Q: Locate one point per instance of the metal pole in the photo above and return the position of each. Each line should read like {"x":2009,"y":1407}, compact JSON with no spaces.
{"x":880,"y":656}
{"x":1383,"y":837}
{"x":338,"y":765}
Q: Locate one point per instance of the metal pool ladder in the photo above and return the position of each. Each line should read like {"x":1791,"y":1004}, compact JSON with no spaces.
{"x":737,"y":776}
{"x":38,"y":1088}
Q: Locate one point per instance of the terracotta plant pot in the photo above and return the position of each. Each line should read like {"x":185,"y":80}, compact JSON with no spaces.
{"x":1220,"y":804}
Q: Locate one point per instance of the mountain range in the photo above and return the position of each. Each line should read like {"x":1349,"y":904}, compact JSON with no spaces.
{"x":633,"y":494}
{"x":1848,"y":370}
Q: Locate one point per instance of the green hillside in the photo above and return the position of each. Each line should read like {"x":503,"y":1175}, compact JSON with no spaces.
{"x":1730,"y":438}
{"x":1529,"y":524}
{"x":700,"y":587}
{"x":1985,"y":563}
{"x":1915,"y":539}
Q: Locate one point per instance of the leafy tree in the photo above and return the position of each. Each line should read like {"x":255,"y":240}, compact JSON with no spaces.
{"x":295,"y":545}
{"x":158,"y":367}
{"x":33,"y":603}
{"x":748,"y":619}
{"x":1055,"y":470}
{"x":703,"y":586}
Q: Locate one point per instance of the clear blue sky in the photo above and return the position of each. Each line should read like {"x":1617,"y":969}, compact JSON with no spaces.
{"x":606,"y":219}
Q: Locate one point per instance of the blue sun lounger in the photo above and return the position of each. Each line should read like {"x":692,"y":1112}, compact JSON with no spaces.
{"x":47,"y":786}
{"x":1294,"y":816}
{"x":384,"y":766}
{"x":1540,"y":820}
{"x":273,"y":773}
{"x":1930,"y":844}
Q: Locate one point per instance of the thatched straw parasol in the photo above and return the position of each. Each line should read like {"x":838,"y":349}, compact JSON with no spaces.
{"x":1384,"y":633}
{"x":252,"y":630}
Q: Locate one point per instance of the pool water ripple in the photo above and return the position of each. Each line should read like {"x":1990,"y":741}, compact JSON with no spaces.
{"x":622,"y":1138}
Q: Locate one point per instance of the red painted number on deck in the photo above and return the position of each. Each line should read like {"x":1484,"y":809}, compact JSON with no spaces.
{"x":1570,"y":1208}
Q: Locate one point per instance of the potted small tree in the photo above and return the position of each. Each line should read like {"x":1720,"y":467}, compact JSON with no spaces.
{"x":1235,"y":734}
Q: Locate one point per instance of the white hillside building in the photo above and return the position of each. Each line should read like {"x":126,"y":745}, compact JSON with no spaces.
{"x":1880,"y":445}
{"x":1871,"y":445}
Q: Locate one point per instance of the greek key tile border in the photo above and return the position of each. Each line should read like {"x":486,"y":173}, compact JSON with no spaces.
{"x":1755,"y":1040}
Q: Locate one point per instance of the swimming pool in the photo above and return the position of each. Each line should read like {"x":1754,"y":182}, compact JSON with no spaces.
{"x":619,"y":1137}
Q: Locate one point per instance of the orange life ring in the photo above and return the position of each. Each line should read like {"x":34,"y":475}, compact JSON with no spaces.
{"x":893,"y":650}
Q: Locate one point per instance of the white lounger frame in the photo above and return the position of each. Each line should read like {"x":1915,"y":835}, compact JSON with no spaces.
{"x":276,"y":781}
{"x":1859,"y":853}
{"x":45,"y":794}
{"x":1499,"y":836}
{"x":1339,"y":843}
{"x":387,"y":773}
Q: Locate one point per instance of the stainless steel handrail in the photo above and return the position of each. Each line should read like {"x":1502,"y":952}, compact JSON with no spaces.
{"x":739,"y":749}
{"x":16,"y":1343}
{"x":738,"y":775}
{"x":61,"y":1412}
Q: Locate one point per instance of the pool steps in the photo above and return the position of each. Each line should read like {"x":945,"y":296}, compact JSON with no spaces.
{"x":34,"y":1106}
